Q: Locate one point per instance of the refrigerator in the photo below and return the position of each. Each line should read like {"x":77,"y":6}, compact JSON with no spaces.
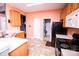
{"x":57,"y":28}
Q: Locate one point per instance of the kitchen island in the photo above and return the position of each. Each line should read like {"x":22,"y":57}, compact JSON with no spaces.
{"x":17,"y":46}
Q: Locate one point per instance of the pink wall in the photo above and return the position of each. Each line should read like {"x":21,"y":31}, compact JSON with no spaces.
{"x":53,"y":14}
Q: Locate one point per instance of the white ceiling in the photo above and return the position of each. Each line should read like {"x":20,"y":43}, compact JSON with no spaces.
{"x":44,"y":6}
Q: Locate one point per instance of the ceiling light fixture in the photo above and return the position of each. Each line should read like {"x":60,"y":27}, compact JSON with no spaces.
{"x":33,"y":4}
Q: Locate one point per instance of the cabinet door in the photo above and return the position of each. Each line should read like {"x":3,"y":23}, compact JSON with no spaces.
{"x":21,"y":50}
{"x":20,"y":35}
{"x":68,"y":9}
{"x":63,"y":14}
{"x":18,"y":20}
{"x":74,"y":6}
{"x":77,"y":5}
{"x":15,"y":18}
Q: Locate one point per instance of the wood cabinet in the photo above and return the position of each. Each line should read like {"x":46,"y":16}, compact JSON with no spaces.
{"x":20,"y":51}
{"x":73,"y":6}
{"x":64,"y":12}
{"x":15,"y":18}
{"x":21,"y":35}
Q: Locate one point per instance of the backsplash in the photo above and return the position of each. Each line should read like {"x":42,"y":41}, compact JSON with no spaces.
{"x":11,"y":28}
{"x":71,"y":31}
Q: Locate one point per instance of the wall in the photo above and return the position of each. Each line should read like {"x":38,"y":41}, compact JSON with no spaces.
{"x":53,"y":14}
{"x":3,"y":24}
{"x":1,"y":21}
{"x":8,"y":8}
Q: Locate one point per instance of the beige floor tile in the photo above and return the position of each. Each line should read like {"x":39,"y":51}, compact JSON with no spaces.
{"x":38,"y":48}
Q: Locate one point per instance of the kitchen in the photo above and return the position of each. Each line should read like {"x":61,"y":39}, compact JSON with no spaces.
{"x":12,"y":28}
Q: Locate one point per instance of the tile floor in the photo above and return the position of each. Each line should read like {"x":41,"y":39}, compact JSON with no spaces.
{"x":37,"y":48}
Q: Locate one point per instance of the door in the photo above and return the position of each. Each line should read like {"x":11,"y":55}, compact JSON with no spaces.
{"x":37,"y":28}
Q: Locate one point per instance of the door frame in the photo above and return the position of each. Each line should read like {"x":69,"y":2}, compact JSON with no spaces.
{"x":43,"y":27}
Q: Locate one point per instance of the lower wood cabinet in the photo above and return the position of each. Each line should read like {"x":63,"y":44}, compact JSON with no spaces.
{"x":21,"y":35}
{"x":20,"y":51}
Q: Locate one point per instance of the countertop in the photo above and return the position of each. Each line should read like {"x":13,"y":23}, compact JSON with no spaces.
{"x":3,"y":46}
{"x":9,"y":31}
{"x":13,"y":42}
{"x":66,"y":52}
{"x":64,"y":36}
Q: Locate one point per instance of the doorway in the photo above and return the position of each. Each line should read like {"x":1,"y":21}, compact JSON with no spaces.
{"x":47,"y":29}
{"x":23,"y":23}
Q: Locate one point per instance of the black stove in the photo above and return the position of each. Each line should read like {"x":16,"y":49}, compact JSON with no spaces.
{"x":67,"y":44}
{"x":64,"y":44}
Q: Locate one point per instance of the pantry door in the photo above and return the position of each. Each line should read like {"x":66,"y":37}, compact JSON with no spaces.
{"x":37,"y":28}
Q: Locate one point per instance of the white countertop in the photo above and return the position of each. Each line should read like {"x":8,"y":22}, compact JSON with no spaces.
{"x":64,"y":36}
{"x":66,"y":52}
{"x":13,"y":42}
{"x":3,"y":46}
{"x":9,"y":31}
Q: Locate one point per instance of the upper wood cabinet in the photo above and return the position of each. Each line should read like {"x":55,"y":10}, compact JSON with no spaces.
{"x":64,"y":12}
{"x":15,"y":18}
{"x":73,"y":6}
{"x":68,"y":9}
